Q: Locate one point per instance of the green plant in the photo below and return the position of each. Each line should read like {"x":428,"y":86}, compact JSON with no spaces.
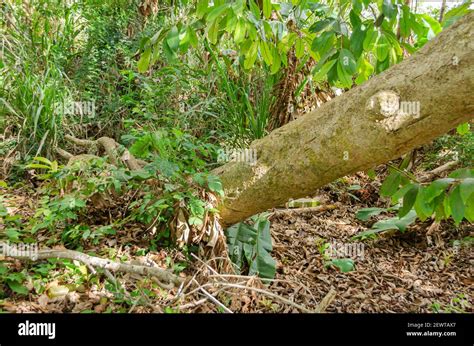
{"x":459,"y":304}
{"x":14,"y":280}
{"x":451,"y":197}
{"x":345,"y":265}
{"x":250,"y":245}
{"x":340,"y":36}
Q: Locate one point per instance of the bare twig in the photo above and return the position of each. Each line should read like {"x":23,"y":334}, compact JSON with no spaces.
{"x":327,"y":300}
{"x":438,"y":171}
{"x":213,"y":299}
{"x":270,"y":294}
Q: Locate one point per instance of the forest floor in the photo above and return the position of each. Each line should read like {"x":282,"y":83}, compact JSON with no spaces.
{"x":420,"y":270}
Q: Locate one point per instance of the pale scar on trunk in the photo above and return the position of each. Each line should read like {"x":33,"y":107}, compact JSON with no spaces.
{"x":392,"y":113}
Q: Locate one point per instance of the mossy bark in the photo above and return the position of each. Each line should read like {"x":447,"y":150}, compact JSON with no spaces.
{"x":365,"y":126}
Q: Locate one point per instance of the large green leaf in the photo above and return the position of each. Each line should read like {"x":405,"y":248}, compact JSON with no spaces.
{"x":321,"y":25}
{"x":396,"y":223}
{"x":173,"y":38}
{"x":382,"y":48}
{"x":409,"y":200}
{"x":390,"y":185}
{"x":344,"y":77}
{"x":324,"y":43}
{"x":347,"y":61}
{"x":388,"y":8}
{"x":457,"y":205}
{"x":436,"y":188}
{"x":263,"y":264}
{"x":252,"y":245}
{"x":144,"y":61}
{"x":466,"y":188}
{"x":371,"y":38}
{"x":345,"y":265}
{"x":216,"y":12}
{"x":357,"y":40}
{"x":366,"y":213}
{"x":405,"y":21}
{"x":267,"y":8}
{"x":16,"y":287}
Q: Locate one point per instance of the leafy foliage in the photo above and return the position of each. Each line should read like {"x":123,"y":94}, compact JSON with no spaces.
{"x":451,"y":197}
{"x":250,"y":245}
{"x":350,"y":41}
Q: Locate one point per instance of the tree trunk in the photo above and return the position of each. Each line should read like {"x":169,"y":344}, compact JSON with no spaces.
{"x":406,"y":106}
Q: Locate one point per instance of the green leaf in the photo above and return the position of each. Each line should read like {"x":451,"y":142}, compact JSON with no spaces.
{"x":144,"y":61}
{"x":355,"y":19}
{"x":324,"y":43}
{"x":251,"y":56}
{"x":382,"y":48}
{"x":240,"y":31}
{"x":299,"y":48}
{"x":463,"y":129}
{"x":347,"y":61}
{"x":213,"y":32}
{"x":252,"y":243}
{"x":462,"y":173}
{"x":37,"y":166}
{"x":370,"y":39}
{"x":457,"y":205}
{"x":201,"y":8}
{"x":321,"y":25}
{"x":409,"y":200}
{"x":215,"y":184}
{"x":433,"y":25}
{"x":388,"y":9}
{"x":173,"y":38}
{"x":321,"y":73}
{"x":366,"y":213}
{"x":216,"y":12}
{"x":254,"y":8}
{"x":242,"y":233}
{"x":454,"y":14}
{"x":17,"y":287}
{"x":43,"y":160}
{"x":396,"y":223}
{"x":267,"y":8}
{"x":263,"y":264}
{"x":276,"y":62}
{"x":344,"y":77}
{"x":436,"y":188}
{"x":466,"y":189}
{"x":390,"y":185}
{"x":357,"y":40}
{"x":345,"y":265}
{"x":341,"y":27}
{"x":422,"y":207}
{"x":469,"y":211}
{"x":266,"y":53}
{"x":364,"y":70}
{"x":193,"y":39}
{"x":405,"y":22}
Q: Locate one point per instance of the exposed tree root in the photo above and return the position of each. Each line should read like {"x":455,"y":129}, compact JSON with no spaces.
{"x":107,"y":146}
{"x":167,"y":278}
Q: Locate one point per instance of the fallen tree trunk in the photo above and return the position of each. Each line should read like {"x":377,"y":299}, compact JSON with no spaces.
{"x":406,"y":106}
